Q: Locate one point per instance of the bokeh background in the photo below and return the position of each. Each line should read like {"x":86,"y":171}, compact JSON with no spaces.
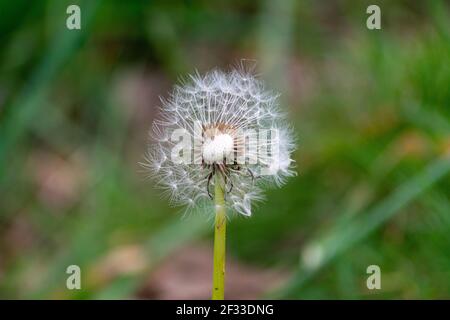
{"x":371,"y":110}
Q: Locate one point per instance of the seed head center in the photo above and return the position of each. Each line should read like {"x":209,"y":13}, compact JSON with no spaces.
{"x":217,"y":147}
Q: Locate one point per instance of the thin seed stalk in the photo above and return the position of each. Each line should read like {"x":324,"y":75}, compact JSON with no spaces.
{"x":218,"y":291}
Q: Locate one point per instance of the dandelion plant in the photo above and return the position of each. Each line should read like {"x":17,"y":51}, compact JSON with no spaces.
{"x":219,"y":140}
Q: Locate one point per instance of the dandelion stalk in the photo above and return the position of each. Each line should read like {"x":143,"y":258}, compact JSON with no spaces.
{"x":220,"y":225}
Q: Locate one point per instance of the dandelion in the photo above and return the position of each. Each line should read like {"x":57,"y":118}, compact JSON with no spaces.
{"x":220,"y":137}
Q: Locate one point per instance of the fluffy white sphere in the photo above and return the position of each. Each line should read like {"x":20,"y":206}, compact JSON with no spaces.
{"x":220,"y":112}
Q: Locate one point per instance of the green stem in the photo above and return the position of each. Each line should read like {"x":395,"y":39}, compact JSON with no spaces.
{"x":218,"y":291}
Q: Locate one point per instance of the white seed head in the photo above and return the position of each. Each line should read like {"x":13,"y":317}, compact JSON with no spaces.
{"x":220,"y":124}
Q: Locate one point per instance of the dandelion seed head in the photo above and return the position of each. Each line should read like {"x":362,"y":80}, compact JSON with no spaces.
{"x":224,"y":116}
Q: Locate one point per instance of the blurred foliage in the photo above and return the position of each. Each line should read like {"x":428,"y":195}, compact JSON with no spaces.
{"x":371,"y":110}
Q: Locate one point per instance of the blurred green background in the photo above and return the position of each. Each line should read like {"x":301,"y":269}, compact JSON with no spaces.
{"x":371,"y":110}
